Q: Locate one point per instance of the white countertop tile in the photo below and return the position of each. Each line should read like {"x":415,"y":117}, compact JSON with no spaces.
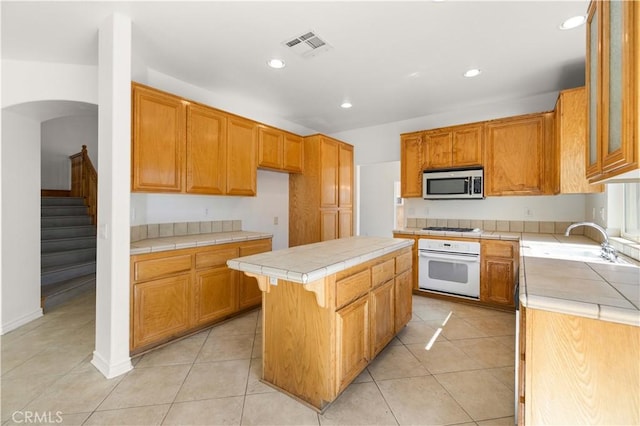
{"x":194,"y":240}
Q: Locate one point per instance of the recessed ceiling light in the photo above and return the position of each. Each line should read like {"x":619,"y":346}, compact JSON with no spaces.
{"x":573,"y":22}
{"x":276,"y":63}
{"x":346,"y":105}
{"x":472,"y":72}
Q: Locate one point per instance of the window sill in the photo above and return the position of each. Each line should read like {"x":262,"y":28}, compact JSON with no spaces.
{"x":627,"y":247}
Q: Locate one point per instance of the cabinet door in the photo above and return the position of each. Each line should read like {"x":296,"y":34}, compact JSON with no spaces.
{"x":249,"y":292}
{"x":345,"y":176}
{"x":594,"y":168}
{"x":437,"y":149}
{"x":293,"y":153}
{"x":329,"y":169}
{"x":466,"y":146}
{"x":206,"y":150}
{"x":329,"y":224}
{"x":352,"y":338}
{"x":403,"y":299}
{"x":515,"y":152}
{"x":382,"y":316}
{"x":158,"y":141}
{"x":160,"y":309}
{"x":411,"y":165}
{"x":270,"y":147}
{"x":497,"y":281}
{"x":345,"y":223}
{"x":241,"y":157}
{"x":215,"y":294}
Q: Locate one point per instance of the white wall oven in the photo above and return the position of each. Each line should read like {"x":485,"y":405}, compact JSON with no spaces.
{"x":449,"y":267}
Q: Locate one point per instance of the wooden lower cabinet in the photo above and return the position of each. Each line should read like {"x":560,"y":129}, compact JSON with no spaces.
{"x":382,"y":316}
{"x":352,"y":336}
{"x":176,"y":292}
{"x":403,"y":299}
{"x":318,"y":337}
{"x":160,"y":309}
{"x":578,"y":371}
{"x":498,"y":271}
{"x":215,"y":294}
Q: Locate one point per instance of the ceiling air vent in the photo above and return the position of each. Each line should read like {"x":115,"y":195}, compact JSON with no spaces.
{"x":307,"y":45}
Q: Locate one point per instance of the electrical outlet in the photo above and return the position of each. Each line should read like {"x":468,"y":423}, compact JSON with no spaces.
{"x":602,"y":213}
{"x":206,"y":211}
{"x":528,"y":212}
{"x":593,"y":213}
{"x":275,"y":220}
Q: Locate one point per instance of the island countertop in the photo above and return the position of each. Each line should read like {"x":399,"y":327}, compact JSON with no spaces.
{"x":311,"y":262}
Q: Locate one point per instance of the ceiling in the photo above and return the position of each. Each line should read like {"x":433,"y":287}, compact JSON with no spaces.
{"x":392,"y":60}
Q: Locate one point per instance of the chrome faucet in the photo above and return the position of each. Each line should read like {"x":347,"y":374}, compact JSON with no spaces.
{"x":608,"y":251}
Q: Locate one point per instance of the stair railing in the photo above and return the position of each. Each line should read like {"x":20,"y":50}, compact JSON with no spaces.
{"x":84,"y":182}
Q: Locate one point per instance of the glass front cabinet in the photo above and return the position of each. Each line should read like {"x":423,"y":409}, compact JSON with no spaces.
{"x":613,"y":85}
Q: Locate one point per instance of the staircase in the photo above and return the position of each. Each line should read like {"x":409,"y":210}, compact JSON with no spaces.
{"x":68,"y":250}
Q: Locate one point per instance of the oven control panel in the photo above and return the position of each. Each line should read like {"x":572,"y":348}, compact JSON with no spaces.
{"x":450,"y":246}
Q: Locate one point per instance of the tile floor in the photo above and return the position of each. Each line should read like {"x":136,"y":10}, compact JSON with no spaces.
{"x":212,"y":378}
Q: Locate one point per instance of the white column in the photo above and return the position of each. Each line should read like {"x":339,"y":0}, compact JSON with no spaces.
{"x":111,"y":355}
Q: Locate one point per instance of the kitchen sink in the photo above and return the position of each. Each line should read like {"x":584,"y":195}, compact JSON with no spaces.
{"x":575,"y":252}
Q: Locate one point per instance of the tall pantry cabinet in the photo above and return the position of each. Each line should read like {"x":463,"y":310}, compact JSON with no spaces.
{"x":321,"y":199}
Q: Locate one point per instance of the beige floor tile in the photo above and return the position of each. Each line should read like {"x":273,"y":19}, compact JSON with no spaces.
{"x":244,"y":324}
{"x":276,"y":408}
{"x":222,"y":411}
{"x":359,"y":404}
{"x":226,"y":347}
{"x":215,"y":380}
{"x":487,"y":352}
{"x":256,"y":352}
{"x":184,"y":351}
{"x":136,"y":416}
{"x":504,"y":421}
{"x":506,"y":375}
{"x":416,"y":332}
{"x":443,"y":357}
{"x":426,"y":313}
{"x":395,"y":362}
{"x":492,"y":326}
{"x":480,"y":394}
{"x":421,"y":401}
{"x":52,"y":418}
{"x":17,"y":393}
{"x":363,"y":377}
{"x":64,"y":360}
{"x":254,"y":385}
{"x":75,"y":393}
{"x":459,"y":328}
{"x":147,"y":386}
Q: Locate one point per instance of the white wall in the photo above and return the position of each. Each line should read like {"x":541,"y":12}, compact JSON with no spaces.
{"x":62,"y":137}
{"x":257,"y":213}
{"x":20,"y":220}
{"x":376,"y":198}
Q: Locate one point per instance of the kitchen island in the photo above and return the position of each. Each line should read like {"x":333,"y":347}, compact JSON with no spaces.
{"x":328,"y":309}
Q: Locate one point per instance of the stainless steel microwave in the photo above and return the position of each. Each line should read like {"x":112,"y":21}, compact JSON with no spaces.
{"x":453,"y":184}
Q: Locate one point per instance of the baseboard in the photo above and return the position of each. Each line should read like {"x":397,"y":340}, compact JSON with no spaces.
{"x":55,"y":193}
{"x":110,"y":371}
{"x":18,"y":322}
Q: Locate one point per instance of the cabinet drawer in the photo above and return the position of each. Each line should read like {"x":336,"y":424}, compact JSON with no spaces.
{"x":352,"y":287}
{"x":154,"y":268}
{"x":498,"y":250}
{"x":215,"y":257}
{"x":255,"y":247}
{"x":382,"y":272}
{"x":403,"y":262}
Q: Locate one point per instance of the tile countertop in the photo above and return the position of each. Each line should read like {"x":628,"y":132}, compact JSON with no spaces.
{"x":599,"y":290}
{"x":152,"y":245}
{"x":311,"y":262}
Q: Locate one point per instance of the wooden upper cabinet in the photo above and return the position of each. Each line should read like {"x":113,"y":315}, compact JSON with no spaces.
{"x":270,"y":147}
{"x":279,"y":150}
{"x":330,"y":165}
{"x":466,"y":146}
{"x":458,"y":146}
{"x":515,"y":153}
{"x":345,"y":176}
{"x":293,"y":156}
{"x":206,"y":150}
{"x":571,"y":142}
{"x":158,"y":143}
{"x":411,"y":165}
{"x":613,"y":87}
{"x":437,"y":149}
{"x":241,"y":156}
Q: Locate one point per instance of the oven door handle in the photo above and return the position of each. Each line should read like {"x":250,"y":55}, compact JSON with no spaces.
{"x":469,"y":258}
